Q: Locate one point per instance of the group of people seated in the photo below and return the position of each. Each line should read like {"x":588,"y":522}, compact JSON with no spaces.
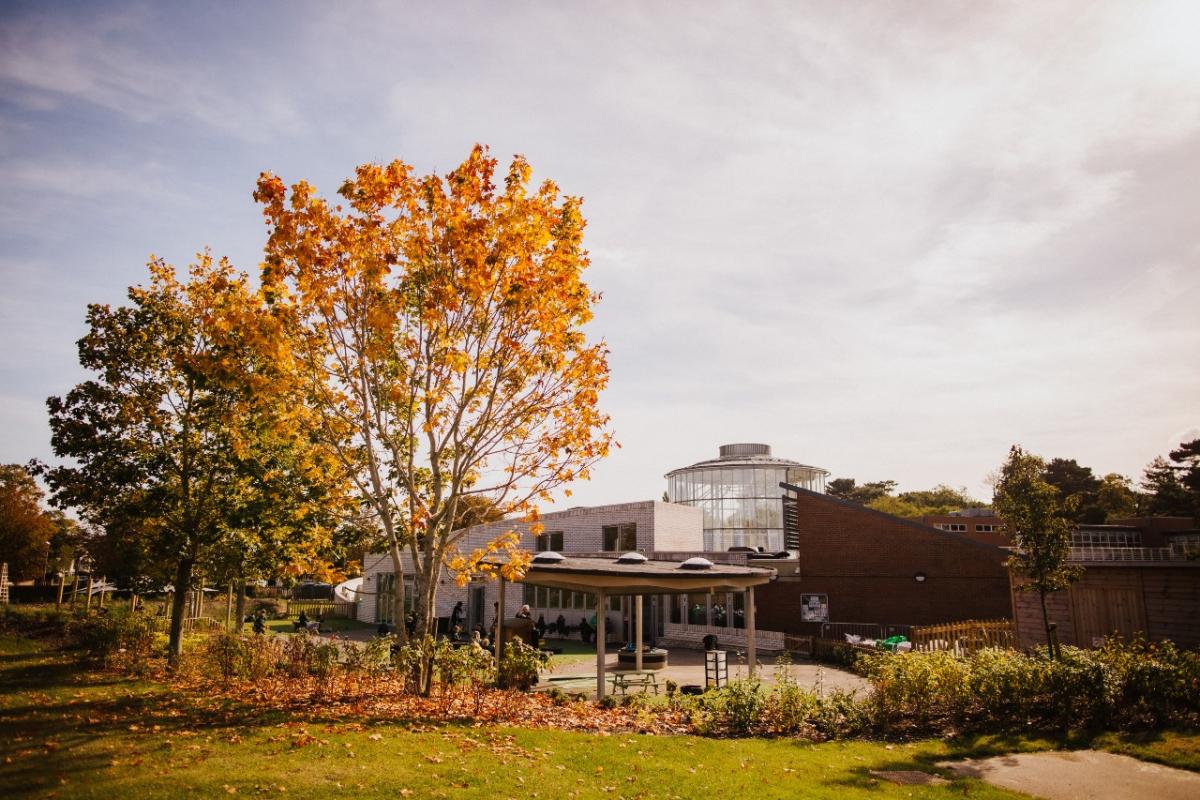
{"x":485,"y":636}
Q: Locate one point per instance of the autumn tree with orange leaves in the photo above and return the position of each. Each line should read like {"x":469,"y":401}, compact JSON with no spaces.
{"x":188,"y":447}
{"x":439,"y":321}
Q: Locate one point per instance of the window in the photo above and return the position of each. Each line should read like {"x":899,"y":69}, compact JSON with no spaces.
{"x":739,"y":609}
{"x":956,"y":527}
{"x":676,"y":601}
{"x":620,"y":538}
{"x":553,"y":540}
{"x":410,"y":593}
{"x":985,"y":528}
{"x":698,"y":613}
{"x":720,"y":617}
{"x":385,"y":596}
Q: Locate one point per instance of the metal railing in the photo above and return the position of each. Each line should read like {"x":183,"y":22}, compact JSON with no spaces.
{"x":1144,"y":554}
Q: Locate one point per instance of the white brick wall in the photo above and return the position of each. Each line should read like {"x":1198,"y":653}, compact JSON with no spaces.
{"x":660,"y":526}
{"x":692,"y":636}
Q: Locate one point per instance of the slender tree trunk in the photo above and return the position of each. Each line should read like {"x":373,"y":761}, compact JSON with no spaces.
{"x":241,"y":601}
{"x":88,"y":607}
{"x":1046,"y":624}
{"x":62,"y":585}
{"x":179,"y":600}
{"x":398,"y":596}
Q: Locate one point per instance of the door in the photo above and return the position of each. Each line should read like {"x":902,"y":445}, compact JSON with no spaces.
{"x":475,"y":598}
{"x":1104,"y":612}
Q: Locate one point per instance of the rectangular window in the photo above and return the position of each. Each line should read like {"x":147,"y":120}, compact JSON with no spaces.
{"x":985,"y":528}
{"x":720,"y":611}
{"x":541,"y":595}
{"x":410,"y":593}
{"x":528,"y":595}
{"x":385,"y":596}
{"x":552,"y":540}
{"x":738,"y":604}
{"x":675,"y":601}
{"x":620,"y":538}
{"x":698,"y":612}
{"x":581,"y":600}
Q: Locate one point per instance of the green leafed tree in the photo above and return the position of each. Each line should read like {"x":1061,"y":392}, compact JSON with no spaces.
{"x":1038,"y":523}
{"x":1117,"y":498}
{"x":187,"y":434}
{"x":1166,"y":495}
{"x":848,"y":489}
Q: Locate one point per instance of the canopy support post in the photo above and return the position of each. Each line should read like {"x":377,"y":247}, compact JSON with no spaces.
{"x":637,"y":612}
{"x":751,"y":652}
{"x":601,"y":635}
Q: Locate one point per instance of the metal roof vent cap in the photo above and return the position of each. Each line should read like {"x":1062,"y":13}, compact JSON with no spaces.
{"x":696,"y":562}
{"x":631,"y":558}
{"x":548,"y":557}
{"x":744,"y":449}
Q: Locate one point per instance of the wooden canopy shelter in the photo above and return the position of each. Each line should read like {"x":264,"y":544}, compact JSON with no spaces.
{"x":633,"y":574}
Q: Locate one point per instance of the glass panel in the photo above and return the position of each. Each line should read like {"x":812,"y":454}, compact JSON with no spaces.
{"x":738,"y":603}
{"x":719,"y":616}
{"x":610,"y":537}
{"x":698,"y":613}
{"x":673,"y":600}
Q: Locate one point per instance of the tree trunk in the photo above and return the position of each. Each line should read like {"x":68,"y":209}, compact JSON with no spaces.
{"x":1046,"y":624}
{"x":241,"y":602}
{"x":183,"y":578}
{"x":398,"y":596}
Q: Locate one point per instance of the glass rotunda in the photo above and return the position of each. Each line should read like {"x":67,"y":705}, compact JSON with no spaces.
{"x":740,"y":495}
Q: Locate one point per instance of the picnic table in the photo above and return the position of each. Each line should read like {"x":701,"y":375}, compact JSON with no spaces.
{"x":622,"y":682}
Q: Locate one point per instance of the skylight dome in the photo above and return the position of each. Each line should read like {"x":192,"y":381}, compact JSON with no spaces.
{"x":696,"y":562}
{"x":631,"y":558}
{"x":548,"y":557}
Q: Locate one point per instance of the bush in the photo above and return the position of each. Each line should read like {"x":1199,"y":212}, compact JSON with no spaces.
{"x":521,"y":665}
{"x":1120,"y":685}
{"x":115,"y":637}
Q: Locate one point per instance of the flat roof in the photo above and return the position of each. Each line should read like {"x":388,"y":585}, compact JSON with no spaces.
{"x":585,"y":572}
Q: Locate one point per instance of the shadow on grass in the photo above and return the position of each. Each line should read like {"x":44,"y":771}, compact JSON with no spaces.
{"x":53,"y":711}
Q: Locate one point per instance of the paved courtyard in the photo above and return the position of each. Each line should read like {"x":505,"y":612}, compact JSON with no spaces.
{"x":1081,"y":775}
{"x":687,"y":667}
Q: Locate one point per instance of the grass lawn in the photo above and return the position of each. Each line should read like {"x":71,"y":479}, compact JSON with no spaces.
{"x":328,"y":625}
{"x":74,"y":733}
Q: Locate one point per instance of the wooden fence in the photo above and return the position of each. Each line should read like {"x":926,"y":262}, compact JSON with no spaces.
{"x":190,"y":624}
{"x":324,"y":608}
{"x":964,"y":637}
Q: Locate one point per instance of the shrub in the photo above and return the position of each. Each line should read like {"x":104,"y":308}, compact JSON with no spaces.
{"x":115,"y":637}
{"x":521,"y":665}
{"x":1119,"y":685}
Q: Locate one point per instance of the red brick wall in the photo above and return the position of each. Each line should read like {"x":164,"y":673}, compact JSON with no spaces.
{"x":867,"y":562}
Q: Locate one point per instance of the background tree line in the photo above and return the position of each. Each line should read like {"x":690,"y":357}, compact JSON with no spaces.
{"x":1170,"y":486}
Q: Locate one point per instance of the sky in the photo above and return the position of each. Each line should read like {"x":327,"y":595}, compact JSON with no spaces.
{"x":889,"y":239}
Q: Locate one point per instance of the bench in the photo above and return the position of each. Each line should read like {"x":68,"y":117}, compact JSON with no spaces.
{"x":622,"y":682}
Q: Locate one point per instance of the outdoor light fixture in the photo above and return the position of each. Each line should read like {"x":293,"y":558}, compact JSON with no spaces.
{"x":919,"y":577}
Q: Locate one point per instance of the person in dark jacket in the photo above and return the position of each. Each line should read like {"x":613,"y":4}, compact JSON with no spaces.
{"x":585,"y":631}
{"x":456,"y":619}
